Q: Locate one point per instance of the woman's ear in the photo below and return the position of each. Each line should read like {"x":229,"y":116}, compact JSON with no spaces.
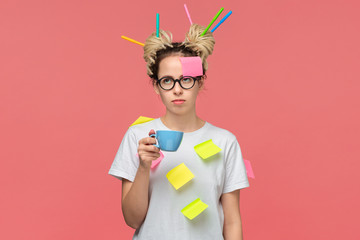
{"x":201,"y":83}
{"x":156,"y":87}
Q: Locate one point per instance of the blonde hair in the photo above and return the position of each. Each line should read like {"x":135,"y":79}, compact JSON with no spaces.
{"x":157,"y":48}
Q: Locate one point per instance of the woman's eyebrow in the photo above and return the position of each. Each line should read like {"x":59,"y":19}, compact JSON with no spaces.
{"x":171,"y":76}
{"x":168,"y":76}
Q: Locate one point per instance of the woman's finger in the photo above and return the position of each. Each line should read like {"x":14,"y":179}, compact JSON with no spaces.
{"x":147,"y":141}
{"x":152,"y":131}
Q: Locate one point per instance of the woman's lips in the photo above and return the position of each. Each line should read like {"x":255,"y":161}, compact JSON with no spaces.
{"x":178,"y":101}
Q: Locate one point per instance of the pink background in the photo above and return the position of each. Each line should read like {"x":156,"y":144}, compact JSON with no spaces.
{"x":284,"y":78}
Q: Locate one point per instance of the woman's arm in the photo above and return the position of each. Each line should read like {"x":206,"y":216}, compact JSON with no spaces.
{"x":232,"y":220}
{"x":135,"y":198}
{"x":135,"y":195}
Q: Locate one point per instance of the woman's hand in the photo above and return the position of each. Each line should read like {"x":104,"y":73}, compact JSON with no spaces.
{"x":147,"y":151}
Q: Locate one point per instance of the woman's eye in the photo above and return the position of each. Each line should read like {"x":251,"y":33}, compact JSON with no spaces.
{"x":186,"y":80}
{"x":167,"y":81}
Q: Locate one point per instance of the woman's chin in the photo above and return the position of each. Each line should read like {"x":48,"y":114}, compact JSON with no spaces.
{"x":178,"y":110}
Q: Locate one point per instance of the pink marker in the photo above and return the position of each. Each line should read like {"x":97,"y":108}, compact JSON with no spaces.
{"x":188,"y":14}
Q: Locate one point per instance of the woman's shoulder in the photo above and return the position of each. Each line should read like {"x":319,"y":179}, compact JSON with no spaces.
{"x":221,"y":132}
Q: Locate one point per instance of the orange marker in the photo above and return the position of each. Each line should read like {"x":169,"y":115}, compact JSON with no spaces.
{"x":132,"y":40}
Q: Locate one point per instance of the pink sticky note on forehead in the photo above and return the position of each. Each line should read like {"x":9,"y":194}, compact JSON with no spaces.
{"x":191,"y":66}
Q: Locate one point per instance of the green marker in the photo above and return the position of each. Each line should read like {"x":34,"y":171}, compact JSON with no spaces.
{"x":216,"y":16}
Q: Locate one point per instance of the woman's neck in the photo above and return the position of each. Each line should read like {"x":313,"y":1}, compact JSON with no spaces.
{"x":183,"y":123}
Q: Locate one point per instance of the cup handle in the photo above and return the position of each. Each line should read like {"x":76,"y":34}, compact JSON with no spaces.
{"x":154,"y":135}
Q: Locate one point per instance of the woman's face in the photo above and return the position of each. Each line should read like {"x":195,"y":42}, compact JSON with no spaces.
{"x":177,"y":100}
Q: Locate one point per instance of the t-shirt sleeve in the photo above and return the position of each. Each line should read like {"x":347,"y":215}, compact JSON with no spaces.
{"x":235,"y":172}
{"x":126,"y":162}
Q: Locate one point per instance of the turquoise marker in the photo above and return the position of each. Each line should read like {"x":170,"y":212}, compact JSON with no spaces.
{"x":221,"y":21}
{"x":157,"y":25}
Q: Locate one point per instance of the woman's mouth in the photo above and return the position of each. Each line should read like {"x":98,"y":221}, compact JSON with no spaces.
{"x":178,"y":101}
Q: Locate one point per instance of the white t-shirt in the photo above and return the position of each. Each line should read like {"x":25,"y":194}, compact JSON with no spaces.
{"x":221,"y":173}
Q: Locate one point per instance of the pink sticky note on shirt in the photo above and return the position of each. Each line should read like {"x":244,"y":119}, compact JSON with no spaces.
{"x":249,"y":170}
{"x":155,"y":162}
{"x":191,"y":66}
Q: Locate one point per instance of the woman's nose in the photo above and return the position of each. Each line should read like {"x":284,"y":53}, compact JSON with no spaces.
{"x":177,"y":88}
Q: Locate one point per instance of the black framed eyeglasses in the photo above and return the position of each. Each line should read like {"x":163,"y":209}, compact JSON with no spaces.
{"x":168,"y":83}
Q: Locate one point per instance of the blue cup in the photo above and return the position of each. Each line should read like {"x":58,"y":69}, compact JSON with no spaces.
{"x":168,"y":140}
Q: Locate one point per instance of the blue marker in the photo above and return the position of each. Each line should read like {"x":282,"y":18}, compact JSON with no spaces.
{"x":221,"y":21}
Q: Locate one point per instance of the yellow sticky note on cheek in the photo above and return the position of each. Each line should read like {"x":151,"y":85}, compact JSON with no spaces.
{"x":141,"y":119}
{"x":206,"y":149}
{"x":179,"y":175}
{"x":194,"y":209}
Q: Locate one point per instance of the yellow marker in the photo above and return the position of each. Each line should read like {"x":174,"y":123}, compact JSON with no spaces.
{"x":141,"y":119}
{"x":132,"y":40}
{"x":194,"y":209}
{"x":206,"y":149}
{"x":179,"y":175}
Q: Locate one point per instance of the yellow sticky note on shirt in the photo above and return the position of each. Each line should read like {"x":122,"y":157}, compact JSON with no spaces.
{"x":141,"y":119}
{"x":179,"y":175}
{"x":194,"y":209}
{"x":207,"y":149}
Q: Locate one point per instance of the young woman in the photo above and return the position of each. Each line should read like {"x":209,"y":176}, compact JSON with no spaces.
{"x":150,"y":204}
